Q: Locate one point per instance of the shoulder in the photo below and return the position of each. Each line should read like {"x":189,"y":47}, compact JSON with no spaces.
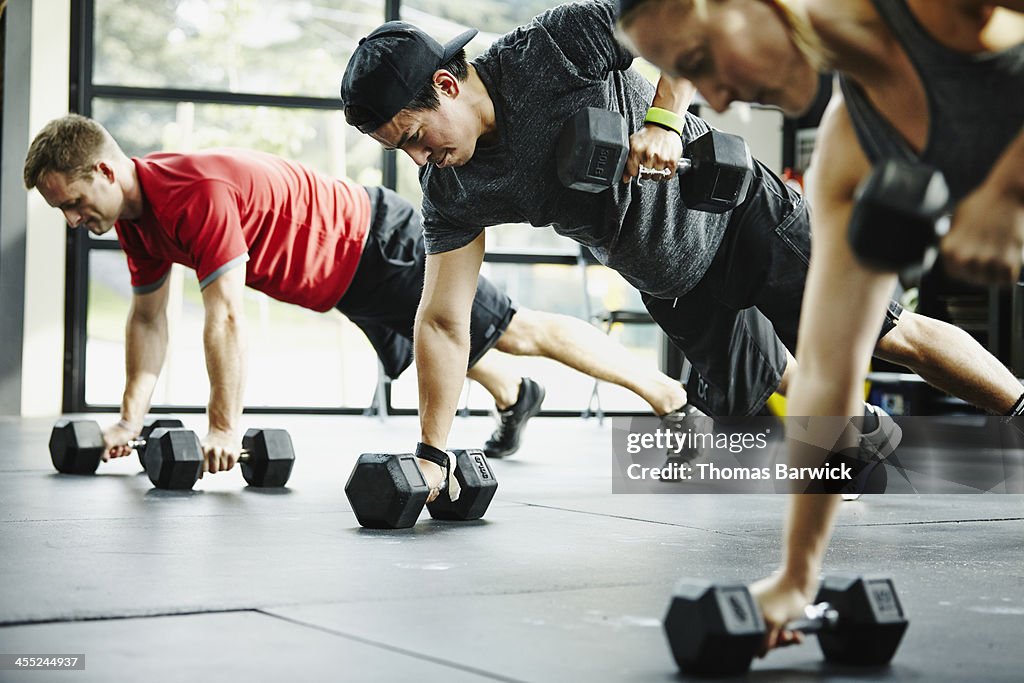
{"x":854,"y":34}
{"x":839,"y":163}
{"x":571,"y":21}
{"x":582,"y":9}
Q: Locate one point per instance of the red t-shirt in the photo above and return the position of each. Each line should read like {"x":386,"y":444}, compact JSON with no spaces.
{"x":301,"y":232}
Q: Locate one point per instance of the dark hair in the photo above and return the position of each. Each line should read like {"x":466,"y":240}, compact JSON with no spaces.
{"x":427,"y":97}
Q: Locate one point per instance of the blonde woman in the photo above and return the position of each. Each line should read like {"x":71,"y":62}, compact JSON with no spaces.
{"x":937,"y":81}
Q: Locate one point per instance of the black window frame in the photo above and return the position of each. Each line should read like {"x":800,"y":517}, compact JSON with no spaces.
{"x":80,"y":243}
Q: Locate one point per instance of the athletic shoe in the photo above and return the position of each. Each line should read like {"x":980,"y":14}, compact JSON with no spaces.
{"x":682,"y":421}
{"x":875,"y":447}
{"x":511,"y":421}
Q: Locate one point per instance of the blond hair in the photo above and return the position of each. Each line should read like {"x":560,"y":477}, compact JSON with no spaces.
{"x":70,"y":145}
{"x":793,"y":14}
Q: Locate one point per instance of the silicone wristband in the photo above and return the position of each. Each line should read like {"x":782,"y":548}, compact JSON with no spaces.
{"x":669,"y":120}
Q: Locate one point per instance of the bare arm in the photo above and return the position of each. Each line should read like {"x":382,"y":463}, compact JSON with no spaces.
{"x":225,"y":345}
{"x":145,"y":351}
{"x":145,"y":347}
{"x":441,"y":336}
{"x":1008,"y":173}
{"x":986,"y":242}
{"x":674,"y":94}
{"x":842,"y":311}
{"x":653,"y":146}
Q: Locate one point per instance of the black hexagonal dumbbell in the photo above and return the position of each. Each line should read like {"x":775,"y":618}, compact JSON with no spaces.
{"x":76,"y":446}
{"x":900,"y":213}
{"x":716,"y":630}
{"x":593,"y":147}
{"x":174,"y":458}
{"x":148,"y":426}
{"x":387,"y":490}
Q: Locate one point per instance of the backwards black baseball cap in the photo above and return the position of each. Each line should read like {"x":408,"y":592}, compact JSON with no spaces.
{"x":389,"y":67}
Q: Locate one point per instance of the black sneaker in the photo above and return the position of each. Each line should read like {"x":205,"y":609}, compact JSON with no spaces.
{"x":875,"y":447}
{"x":505,"y":439}
{"x":682,"y":421}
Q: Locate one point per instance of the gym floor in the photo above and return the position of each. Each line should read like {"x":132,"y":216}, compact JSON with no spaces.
{"x":561,"y":581}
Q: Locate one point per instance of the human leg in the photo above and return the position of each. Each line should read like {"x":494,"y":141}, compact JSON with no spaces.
{"x":950,"y":359}
{"x":581,"y":346}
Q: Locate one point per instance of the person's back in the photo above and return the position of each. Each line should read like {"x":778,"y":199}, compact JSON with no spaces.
{"x":301,"y":231}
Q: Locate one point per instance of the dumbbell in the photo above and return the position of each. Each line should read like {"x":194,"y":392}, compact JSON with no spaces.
{"x":174,"y":458}
{"x":387,"y":490}
{"x":76,"y":446}
{"x":717,"y":629}
{"x":900,"y":213}
{"x":151,"y":425}
{"x":593,"y":147}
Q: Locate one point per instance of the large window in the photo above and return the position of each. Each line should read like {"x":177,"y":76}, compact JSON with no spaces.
{"x":555,"y":288}
{"x":184,"y":75}
{"x":272,"y":47}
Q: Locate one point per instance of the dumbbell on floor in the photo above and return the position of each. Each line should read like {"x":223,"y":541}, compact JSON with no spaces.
{"x":716,"y":630}
{"x":174,"y":458}
{"x":76,"y":446}
{"x":387,"y":490}
{"x":900,"y":213}
{"x":152,"y":425}
{"x":593,"y":148}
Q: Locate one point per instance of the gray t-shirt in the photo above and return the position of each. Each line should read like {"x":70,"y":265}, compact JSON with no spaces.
{"x":538,"y":76}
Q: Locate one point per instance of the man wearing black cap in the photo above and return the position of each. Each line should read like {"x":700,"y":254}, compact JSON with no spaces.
{"x":242,"y":217}
{"x":726,"y":288}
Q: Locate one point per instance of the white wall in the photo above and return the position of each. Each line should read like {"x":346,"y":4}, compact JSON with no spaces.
{"x":36,"y":90}
{"x":760,"y":127}
{"x":43,"y":360}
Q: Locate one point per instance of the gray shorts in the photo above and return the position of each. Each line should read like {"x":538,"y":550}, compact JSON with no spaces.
{"x":388,"y":283}
{"x":737,"y":323}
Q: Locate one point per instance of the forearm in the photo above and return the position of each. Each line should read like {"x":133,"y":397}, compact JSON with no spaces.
{"x":673,"y":94}
{"x":808,"y":530}
{"x":145,"y":351}
{"x":439,"y":351}
{"x":1008,"y":172}
{"x":225,"y":344}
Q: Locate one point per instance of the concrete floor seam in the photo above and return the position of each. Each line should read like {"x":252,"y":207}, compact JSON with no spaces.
{"x":631,"y":519}
{"x":936,"y":522}
{"x":391,"y":648}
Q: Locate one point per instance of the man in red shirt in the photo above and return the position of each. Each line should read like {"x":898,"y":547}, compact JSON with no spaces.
{"x":240,"y":218}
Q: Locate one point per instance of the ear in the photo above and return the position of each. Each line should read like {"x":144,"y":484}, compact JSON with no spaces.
{"x":447,"y":83}
{"x":104,"y":170}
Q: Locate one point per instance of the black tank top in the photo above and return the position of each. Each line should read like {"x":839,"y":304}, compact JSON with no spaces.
{"x":975,"y":104}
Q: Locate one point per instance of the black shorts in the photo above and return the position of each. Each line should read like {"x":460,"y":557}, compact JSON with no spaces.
{"x":385,"y":291}
{"x":737,"y":323}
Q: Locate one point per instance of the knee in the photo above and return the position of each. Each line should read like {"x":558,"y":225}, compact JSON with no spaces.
{"x":522,"y":337}
{"x":906,"y":343}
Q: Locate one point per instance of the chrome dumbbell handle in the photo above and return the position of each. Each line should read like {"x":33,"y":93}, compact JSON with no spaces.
{"x":817,"y":618}
{"x":140,"y":444}
{"x":682,"y":166}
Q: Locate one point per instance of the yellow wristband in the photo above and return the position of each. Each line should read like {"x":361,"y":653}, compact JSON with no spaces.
{"x":669,"y":120}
